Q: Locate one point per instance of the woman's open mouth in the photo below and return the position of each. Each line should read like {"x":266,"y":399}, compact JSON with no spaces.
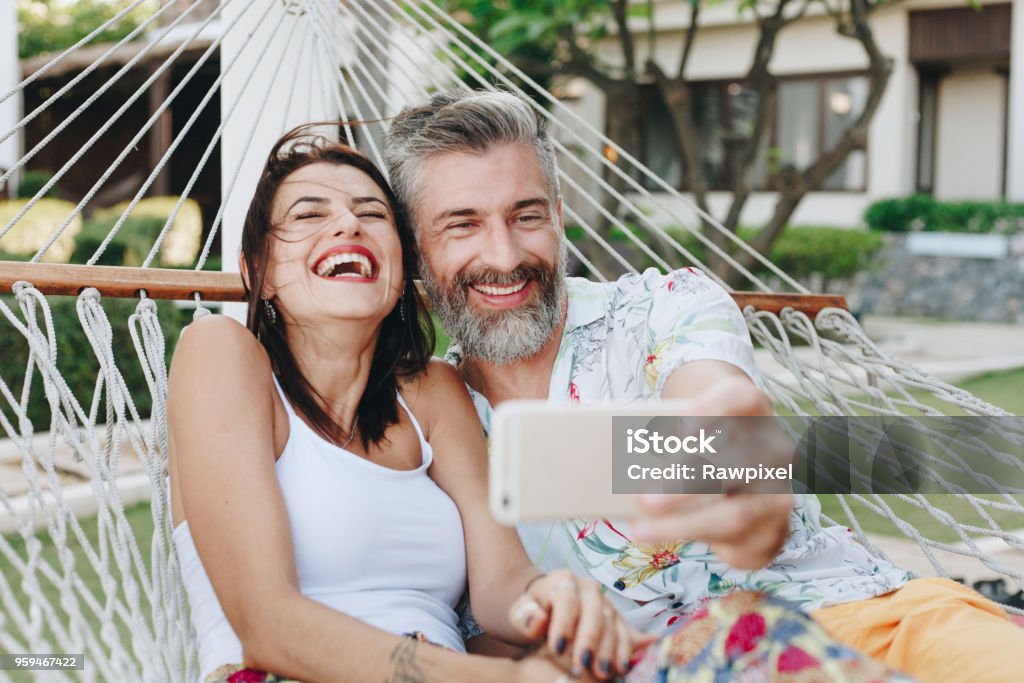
{"x":349,"y":263}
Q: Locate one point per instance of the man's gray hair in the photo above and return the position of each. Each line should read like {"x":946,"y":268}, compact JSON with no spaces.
{"x":463,"y":121}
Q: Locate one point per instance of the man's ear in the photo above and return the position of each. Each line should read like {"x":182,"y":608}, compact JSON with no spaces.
{"x":558,"y":212}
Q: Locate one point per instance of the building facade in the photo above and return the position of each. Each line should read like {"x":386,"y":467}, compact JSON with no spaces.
{"x":950,"y":124}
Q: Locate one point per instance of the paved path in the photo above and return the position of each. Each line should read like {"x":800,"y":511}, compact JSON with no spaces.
{"x":951,"y":351}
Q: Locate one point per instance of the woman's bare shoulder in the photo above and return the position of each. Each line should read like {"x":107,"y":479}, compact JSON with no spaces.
{"x":219,"y":349}
{"x":436,"y":393}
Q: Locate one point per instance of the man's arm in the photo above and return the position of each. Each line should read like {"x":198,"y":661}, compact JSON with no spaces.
{"x":746,"y":530}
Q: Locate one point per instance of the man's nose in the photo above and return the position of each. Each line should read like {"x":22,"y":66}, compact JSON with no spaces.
{"x":501,"y":251}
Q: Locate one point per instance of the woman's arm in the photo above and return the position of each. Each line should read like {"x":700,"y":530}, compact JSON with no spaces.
{"x":572,"y":611}
{"x":221,"y":416}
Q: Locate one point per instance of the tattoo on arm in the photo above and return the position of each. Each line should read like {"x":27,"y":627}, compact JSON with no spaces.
{"x":406,"y":667}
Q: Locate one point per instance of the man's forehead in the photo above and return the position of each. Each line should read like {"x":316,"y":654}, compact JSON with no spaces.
{"x":495,"y":178}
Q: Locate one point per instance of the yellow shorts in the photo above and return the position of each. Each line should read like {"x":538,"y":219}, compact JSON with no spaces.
{"x":935,"y":630}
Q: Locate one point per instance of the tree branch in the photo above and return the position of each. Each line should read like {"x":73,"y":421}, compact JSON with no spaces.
{"x":795,"y":185}
{"x":765,"y":86}
{"x":619,"y":11}
{"x":691,"y":36}
{"x":582,"y":64}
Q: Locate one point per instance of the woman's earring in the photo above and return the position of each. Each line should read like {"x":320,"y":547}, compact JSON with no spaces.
{"x":401,"y":306}
{"x":269,"y":311}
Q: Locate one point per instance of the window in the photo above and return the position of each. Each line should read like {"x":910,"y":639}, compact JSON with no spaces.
{"x":810,"y":116}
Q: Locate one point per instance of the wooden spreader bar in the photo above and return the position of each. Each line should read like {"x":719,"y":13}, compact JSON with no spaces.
{"x":166,"y":283}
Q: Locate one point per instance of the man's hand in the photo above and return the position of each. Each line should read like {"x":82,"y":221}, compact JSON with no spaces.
{"x":744,"y":528}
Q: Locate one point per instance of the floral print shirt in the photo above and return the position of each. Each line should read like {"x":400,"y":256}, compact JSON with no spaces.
{"x":621,"y":341}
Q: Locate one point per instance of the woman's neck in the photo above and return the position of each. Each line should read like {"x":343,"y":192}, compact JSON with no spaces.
{"x":336,"y":361}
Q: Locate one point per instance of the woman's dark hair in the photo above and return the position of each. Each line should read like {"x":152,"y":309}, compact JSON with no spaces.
{"x":406,"y":339}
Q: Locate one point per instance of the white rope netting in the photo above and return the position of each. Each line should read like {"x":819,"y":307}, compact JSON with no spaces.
{"x":87,"y":572}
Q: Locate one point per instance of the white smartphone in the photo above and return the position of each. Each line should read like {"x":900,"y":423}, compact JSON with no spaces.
{"x":555,"y":462}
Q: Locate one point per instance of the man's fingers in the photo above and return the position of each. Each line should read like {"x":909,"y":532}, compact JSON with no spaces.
{"x":665,"y":503}
{"x":723,"y":518}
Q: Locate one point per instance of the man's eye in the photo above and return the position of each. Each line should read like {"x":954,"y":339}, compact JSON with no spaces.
{"x":460,"y":226}
{"x":529,"y":217}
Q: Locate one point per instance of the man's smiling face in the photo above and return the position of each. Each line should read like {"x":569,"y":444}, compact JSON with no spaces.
{"x":492,"y":250}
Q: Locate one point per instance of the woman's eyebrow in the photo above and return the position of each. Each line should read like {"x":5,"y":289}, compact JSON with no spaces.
{"x":312,"y":200}
{"x":367,"y":200}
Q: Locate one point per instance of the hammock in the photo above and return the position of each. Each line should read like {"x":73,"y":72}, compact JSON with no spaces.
{"x":79,"y":573}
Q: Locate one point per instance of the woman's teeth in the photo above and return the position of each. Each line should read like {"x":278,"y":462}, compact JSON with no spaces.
{"x":336,"y":265}
{"x":494,"y":290}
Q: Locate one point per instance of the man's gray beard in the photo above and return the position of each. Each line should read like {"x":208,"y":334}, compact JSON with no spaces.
{"x":500,"y":336}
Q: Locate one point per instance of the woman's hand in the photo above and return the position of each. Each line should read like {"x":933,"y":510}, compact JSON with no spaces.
{"x":581,"y":628}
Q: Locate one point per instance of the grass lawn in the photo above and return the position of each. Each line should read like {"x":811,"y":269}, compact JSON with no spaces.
{"x":141,"y":522}
{"x":1002,"y":389}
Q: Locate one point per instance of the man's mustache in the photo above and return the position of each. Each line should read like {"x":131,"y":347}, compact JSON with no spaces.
{"x":542,"y":275}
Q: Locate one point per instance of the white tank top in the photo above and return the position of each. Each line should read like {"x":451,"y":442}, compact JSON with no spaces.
{"x":384,"y":546}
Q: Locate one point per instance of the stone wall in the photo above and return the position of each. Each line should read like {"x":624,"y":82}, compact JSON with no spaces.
{"x":900,"y":282}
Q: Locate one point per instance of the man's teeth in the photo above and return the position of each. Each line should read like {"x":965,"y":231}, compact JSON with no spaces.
{"x":326,"y":266}
{"x":494,"y":290}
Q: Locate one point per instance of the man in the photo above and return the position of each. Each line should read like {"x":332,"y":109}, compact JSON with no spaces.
{"x":477,"y":173}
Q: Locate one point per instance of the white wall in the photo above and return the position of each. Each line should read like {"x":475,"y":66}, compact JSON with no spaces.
{"x":1015,"y":134}
{"x":971,"y":135}
{"x":10,"y":76}
{"x":267,"y":106}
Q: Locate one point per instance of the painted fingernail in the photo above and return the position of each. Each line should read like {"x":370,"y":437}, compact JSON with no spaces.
{"x":606,"y":666}
{"x":627,"y":666}
{"x":560,"y":645}
{"x":587,"y":659}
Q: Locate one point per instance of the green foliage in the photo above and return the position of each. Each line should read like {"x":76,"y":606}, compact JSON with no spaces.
{"x":75,"y":359}
{"x":129,"y":246}
{"x":801,"y":251}
{"x":52,"y":25}
{"x":33,"y":181}
{"x":530,"y":33}
{"x":831,"y":252}
{"x":923,"y":212}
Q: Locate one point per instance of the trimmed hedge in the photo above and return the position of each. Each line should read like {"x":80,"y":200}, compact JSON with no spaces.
{"x":137,"y":235}
{"x":33,"y":181}
{"x":75,"y":358}
{"x":921,"y":212}
{"x":801,"y":251}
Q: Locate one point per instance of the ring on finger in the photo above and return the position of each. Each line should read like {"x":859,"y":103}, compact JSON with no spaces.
{"x":524,"y":610}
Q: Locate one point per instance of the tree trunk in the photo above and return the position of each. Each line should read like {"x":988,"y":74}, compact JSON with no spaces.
{"x":794,"y":185}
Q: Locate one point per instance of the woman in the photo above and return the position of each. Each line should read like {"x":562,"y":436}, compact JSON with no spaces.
{"x":328,"y":479}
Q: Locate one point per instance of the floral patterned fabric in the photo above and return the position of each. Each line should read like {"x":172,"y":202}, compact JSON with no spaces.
{"x":748,"y":637}
{"x":621,"y":342}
